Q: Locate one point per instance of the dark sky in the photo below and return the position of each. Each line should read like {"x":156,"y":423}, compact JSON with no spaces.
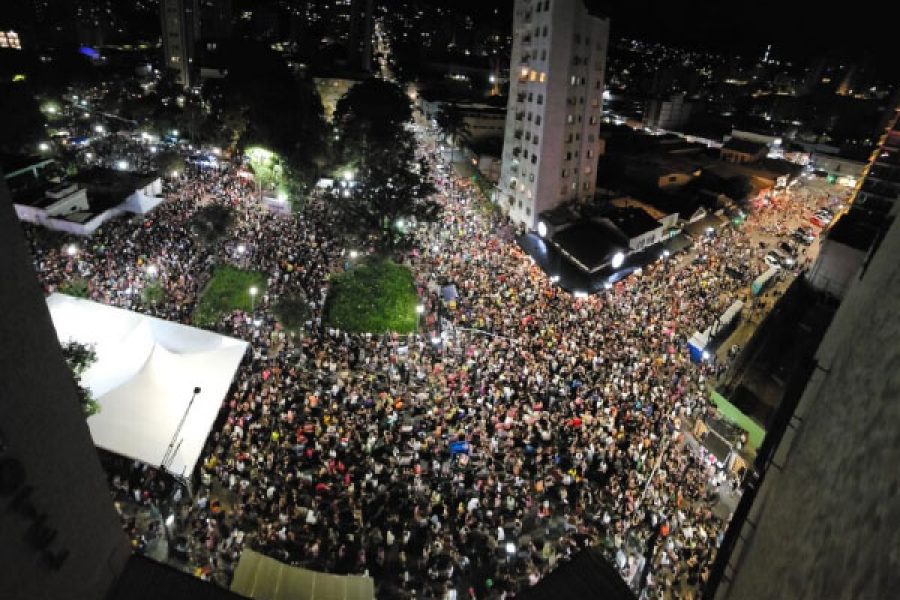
{"x":799,"y":29}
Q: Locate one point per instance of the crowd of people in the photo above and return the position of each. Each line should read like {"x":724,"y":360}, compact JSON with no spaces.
{"x":520,"y":427}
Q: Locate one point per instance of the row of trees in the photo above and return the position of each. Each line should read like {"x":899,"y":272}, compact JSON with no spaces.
{"x":393,"y":188}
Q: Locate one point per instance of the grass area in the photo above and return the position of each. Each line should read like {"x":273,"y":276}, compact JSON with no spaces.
{"x":377,"y":295}
{"x":229,"y":289}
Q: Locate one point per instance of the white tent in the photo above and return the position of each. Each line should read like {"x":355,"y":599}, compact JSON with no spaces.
{"x":144,"y":378}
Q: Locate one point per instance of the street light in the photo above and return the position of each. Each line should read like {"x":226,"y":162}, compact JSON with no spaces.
{"x":152,"y":270}
{"x":99,"y":128}
{"x":43,"y":146}
{"x":253,"y":292}
{"x":617,"y":260}
{"x":241,"y":249}
{"x":348,"y":175}
{"x":71,"y":249}
{"x":122,"y":165}
{"x":353,"y":254}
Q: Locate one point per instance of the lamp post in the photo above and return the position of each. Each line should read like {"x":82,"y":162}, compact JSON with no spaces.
{"x":253,"y":292}
{"x":420,"y":309}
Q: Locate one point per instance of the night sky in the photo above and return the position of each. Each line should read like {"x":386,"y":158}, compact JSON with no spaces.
{"x":796,"y":29}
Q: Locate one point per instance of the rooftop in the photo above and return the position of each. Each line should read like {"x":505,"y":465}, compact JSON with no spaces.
{"x":591,"y":244}
{"x":744,"y":146}
{"x":632,"y":221}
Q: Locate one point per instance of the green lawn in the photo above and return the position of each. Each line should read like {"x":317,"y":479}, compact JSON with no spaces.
{"x":229,"y":289}
{"x":376,"y":296}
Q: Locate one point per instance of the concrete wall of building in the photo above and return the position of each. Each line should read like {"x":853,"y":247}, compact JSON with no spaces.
{"x":60,"y":537}
{"x":835,"y":268}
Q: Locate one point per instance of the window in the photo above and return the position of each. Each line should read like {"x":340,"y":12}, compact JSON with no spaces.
{"x":529,"y":117}
{"x":590,"y":154}
{"x":598,"y":85}
{"x":574,"y":80}
{"x":535,"y":140}
{"x":546,"y":4}
{"x":577,"y":137}
{"x":588,"y":170}
{"x":528,"y":211}
{"x":530,"y":96}
{"x":570,"y":119}
{"x":534,"y":159}
{"x":565,"y":173}
{"x":585,"y":186}
{"x":545,"y":31}
{"x":544,"y":54}
{"x":595,"y":102}
{"x":531,"y":178}
{"x":537,"y":120}
{"x":563,"y":190}
{"x":543,"y":77}
{"x":568,"y":156}
{"x":540,"y":99}
{"x":592,"y":121}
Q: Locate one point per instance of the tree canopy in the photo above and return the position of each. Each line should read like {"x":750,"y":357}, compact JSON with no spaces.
{"x":372,"y":114}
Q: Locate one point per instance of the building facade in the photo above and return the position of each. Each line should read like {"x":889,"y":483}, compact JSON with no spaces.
{"x":879,"y":189}
{"x":672,"y":113}
{"x":180,"y":34}
{"x":551,"y":142}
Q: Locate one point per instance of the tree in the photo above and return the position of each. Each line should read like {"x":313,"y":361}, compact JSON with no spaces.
{"x":292,"y":311}
{"x":80,"y":357}
{"x":372,"y":114}
{"x":153,"y":294}
{"x":394,"y":192}
{"x":77,"y":287}
{"x":170,"y":161}
{"x":22,"y":120}
{"x":260,"y":103}
{"x":211,"y":222}
{"x":450,"y":118}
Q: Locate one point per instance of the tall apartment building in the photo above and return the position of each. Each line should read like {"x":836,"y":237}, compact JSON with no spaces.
{"x":879,"y":189}
{"x":551,"y":143}
{"x":180,"y":33}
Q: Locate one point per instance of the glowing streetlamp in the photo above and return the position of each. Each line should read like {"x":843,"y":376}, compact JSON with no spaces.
{"x":152,"y":270}
{"x":99,"y":128}
{"x":122,"y":165}
{"x":241,"y":248}
{"x":71,"y":249}
{"x":354,"y":254}
{"x":348,"y":175}
{"x":43,"y":146}
{"x":617,"y":260}
{"x":420,"y":309}
{"x":253,"y":292}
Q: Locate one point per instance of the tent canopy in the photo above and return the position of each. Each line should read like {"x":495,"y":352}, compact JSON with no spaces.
{"x":263,"y":578}
{"x":144,"y":378}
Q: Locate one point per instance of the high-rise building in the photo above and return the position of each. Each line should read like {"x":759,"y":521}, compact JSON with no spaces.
{"x":180,"y":32}
{"x":551,"y":143}
{"x":879,"y":189}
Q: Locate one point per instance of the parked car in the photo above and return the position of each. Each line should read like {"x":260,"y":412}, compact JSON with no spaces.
{"x":801,"y":238}
{"x":788,"y":249}
{"x":771,"y":259}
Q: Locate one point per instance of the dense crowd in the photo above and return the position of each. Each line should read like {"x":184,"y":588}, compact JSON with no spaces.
{"x":523,"y":425}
